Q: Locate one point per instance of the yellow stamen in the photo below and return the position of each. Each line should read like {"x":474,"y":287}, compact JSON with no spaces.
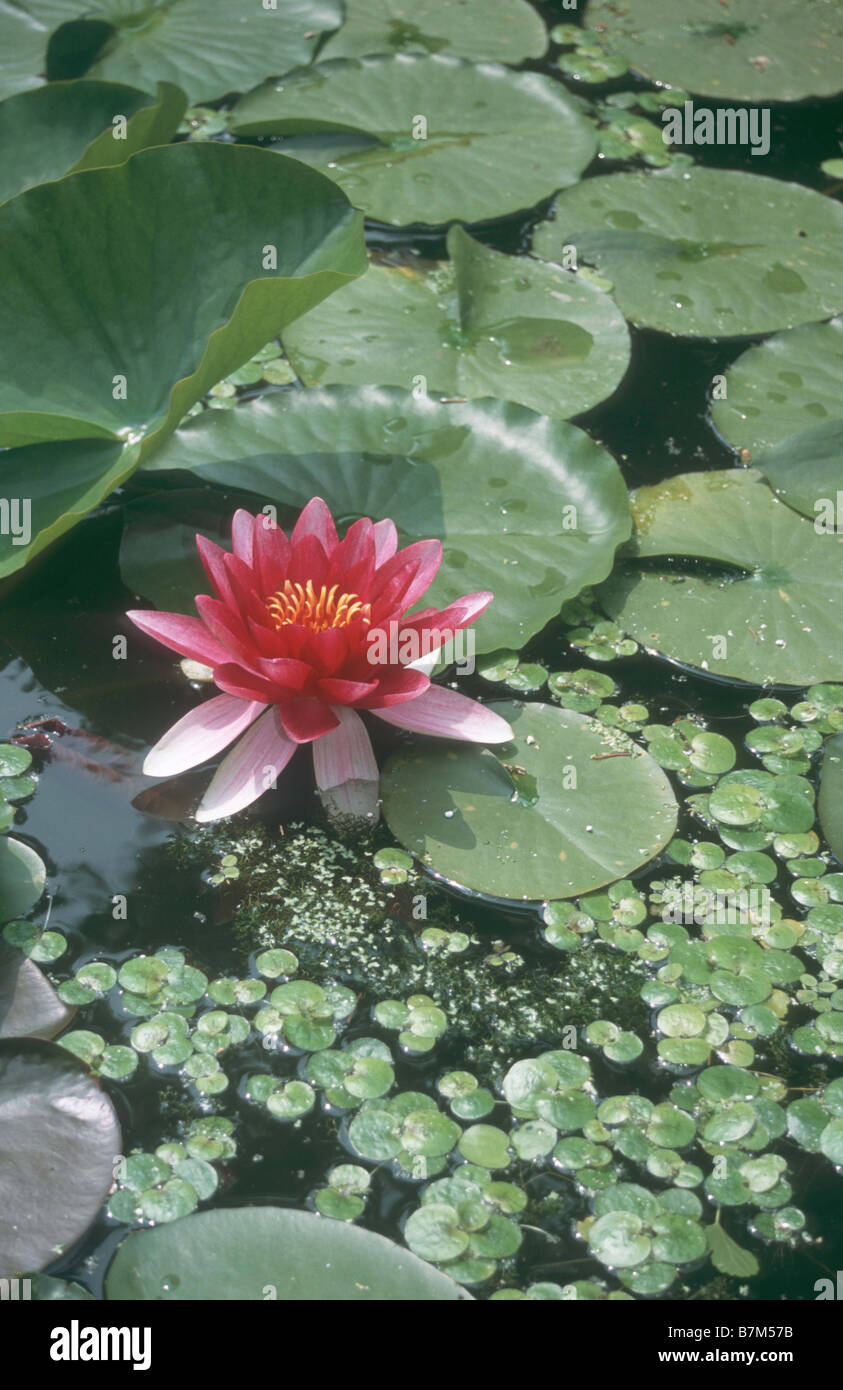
{"x":301,"y":604}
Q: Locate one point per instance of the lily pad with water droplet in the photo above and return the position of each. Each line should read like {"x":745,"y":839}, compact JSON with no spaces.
{"x":786,"y":386}
{"x":486,"y":324}
{"x":477,"y":475}
{"x":564,"y":842}
{"x":745,"y":51}
{"x":494,"y":141}
{"x":767,"y":607}
{"x":705,"y":252}
{"x":244,"y":1253}
{"x":507,"y":33}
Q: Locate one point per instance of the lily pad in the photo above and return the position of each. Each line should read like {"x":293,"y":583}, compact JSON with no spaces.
{"x":22,"y":878}
{"x":460,"y":811}
{"x":484,"y":325}
{"x":69,"y":126}
{"x":29,"y":1006}
{"x":493,"y":141}
{"x":478,"y":475}
{"x":507,"y":32}
{"x":208,"y":47}
{"x":752,"y":50}
{"x":830,"y":803}
{"x":768,"y":609}
{"x":89,"y":253}
{"x":270,"y":1252}
{"x":705,"y":252}
{"x":806,"y":472}
{"x":58,"y":1137}
{"x":786,"y":385}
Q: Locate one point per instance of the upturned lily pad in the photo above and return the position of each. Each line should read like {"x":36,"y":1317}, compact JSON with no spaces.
{"x":58,"y":1137}
{"x":506,"y":33}
{"x":806,"y":472}
{"x":768,"y":608}
{"x":786,"y":385}
{"x":477,"y":475}
{"x":68,"y":126}
{"x":749,"y":50}
{"x":209,"y":47}
{"x":494,"y":141}
{"x":89,"y":252}
{"x":464,"y":814}
{"x":485,"y":324}
{"x":705,"y":252}
{"x":270,"y":1252}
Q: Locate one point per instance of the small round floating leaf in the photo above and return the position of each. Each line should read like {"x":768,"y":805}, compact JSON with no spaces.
{"x":618,"y":1240}
{"x":486,"y":1146}
{"x":291,"y":1101}
{"x":831,"y":1141}
{"x":276,"y":962}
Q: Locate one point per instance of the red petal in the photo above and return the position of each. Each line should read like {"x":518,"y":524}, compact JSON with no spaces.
{"x":228,"y":628}
{"x":287,"y":674}
{"x":242,"y":528}
{"x":187,"y":636}
{"x":272,"y":554}
{"x":235,"y":681}
{"x":316,"y":520}
{"x":305,"y":720}
{"x":213,"y":561}
{"x":343,"y":692}
{"x":395,"y":687}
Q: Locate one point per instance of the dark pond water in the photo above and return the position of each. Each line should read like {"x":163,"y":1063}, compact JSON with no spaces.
{"x":56,"y":631}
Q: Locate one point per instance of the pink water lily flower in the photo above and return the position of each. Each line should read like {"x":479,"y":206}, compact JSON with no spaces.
{"x":293,"y":638}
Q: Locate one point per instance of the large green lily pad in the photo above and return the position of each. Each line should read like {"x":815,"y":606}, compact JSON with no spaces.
{"x":92,"y":267}
{"x":806,"y":471}
{"x":506,"y":32}
{"x":705,"y":252}
{"x":830,"y":803}
{"x":782,"y":386}
{"x":549,"y":815}
{"x":268,"y":1253}
{"x":483,"y":324}
{"x":29,"y":1006}
{"x":495,"y":481}
{"x":68,"y":126}
{"x":58,"y":1139}
{"x":207,"y":47}
{"x":744,"y":50}
{"x":768,"y":610}
{"x":495,"y":142}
